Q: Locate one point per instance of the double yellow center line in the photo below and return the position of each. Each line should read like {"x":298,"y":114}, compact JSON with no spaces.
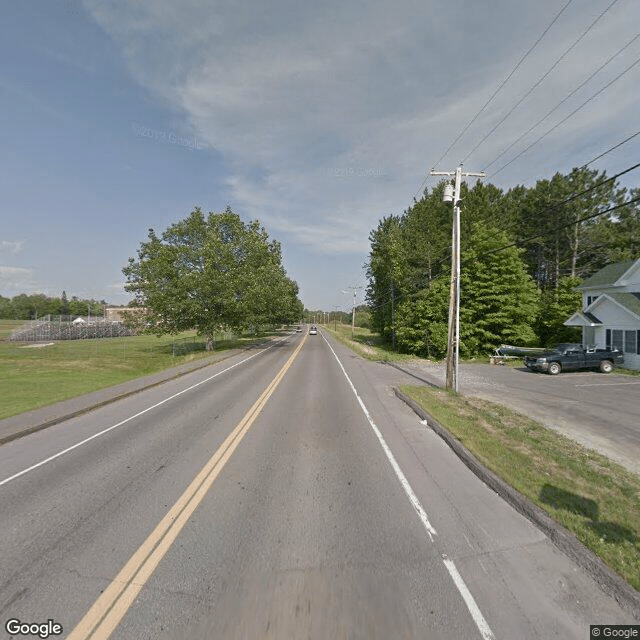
{"x":106,"y":613}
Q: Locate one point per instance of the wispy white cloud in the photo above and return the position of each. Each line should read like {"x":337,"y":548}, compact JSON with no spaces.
{"x":329,"y":115}
{"x":11,"y":247}
{"x":16,"y":279}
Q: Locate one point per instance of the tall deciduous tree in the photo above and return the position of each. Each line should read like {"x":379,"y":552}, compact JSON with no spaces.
{"x":209,"y":273}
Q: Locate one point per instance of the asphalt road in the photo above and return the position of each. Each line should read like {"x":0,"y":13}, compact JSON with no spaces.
{"x":599,"y":411}
{"x":282,"y":493}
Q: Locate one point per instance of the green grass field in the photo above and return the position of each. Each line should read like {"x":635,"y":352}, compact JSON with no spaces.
{"x":591,"y":496}
{"x":7,"y":326}
{"x":35,"y":376}
{"x":366,"y":343}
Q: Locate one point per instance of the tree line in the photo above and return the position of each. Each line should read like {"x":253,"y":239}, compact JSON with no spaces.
{"x":523,"y":252}
{"x":209,"y":273}
{"x":37,"y":305}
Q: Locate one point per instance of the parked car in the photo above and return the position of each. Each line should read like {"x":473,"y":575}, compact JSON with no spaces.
{"x":313,"y":331}
{"x":574,"y":357}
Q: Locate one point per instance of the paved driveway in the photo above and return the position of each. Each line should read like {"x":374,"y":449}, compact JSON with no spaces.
{"x":600,"y":411}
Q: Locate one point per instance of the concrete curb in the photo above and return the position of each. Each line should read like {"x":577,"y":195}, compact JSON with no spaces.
{"x":32,"y":421}
{"x":609,"y":581}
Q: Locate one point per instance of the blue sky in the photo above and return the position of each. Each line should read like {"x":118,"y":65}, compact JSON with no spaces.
{"x":316,"y":118}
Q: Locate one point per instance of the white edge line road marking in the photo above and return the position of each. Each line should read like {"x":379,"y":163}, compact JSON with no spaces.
{"x":422,"y":514}
{"x":605,"y":384}
{"x":478,"y":618}
{"x":117,"y":598}
{"x":115,"y":426}
{"x":474,"y":610}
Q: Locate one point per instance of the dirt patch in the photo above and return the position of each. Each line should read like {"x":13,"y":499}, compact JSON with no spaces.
{"x":37,"y":345}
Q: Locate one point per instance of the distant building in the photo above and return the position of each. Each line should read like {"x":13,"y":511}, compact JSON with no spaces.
{"x":610,"y":315}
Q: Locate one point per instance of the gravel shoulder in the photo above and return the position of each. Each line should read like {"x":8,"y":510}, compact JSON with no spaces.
{"x":601,"y":412}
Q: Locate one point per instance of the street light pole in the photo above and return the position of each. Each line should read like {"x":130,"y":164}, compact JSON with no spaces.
{"x":453,"y":340}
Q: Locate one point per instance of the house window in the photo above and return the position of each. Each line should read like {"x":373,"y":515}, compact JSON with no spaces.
{"x":591,"y":299}
{"x":616,"y":339}
{"x":638,"y":342}
{"x":608,"y":342}
{"x":630,"y":345}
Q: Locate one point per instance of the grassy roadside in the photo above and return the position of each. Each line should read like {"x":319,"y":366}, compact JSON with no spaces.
{"x":365,"y":343}
{"x":591,"y":496}
{"x":35,"y":376}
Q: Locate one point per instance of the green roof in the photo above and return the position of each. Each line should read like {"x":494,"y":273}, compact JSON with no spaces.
{"x":628,"y":301}
{"x":607,"y":275}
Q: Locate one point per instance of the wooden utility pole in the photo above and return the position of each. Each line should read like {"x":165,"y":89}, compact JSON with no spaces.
{"x":353,"y":312}
{"x":452,"y":194}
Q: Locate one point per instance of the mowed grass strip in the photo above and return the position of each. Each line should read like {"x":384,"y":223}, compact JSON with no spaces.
{"x":7,"y":326}
{"x":365,"y":343}
{"x":591,"y":496}
{"x":34,"y":376}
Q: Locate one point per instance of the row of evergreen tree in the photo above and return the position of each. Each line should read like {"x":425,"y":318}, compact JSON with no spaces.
{"x":523,"y":252}
{"x":34,"y":306}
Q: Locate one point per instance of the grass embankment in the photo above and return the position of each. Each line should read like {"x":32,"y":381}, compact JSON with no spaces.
{"x":365,"y":343}
{"x":34,"y":376}
{"x":596,"y":499}
{"x":7,"y":326}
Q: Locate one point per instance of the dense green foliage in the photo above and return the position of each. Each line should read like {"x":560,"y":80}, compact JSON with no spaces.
{"x":209,"y":273}
{"x":523,"y":252}
{"x":31,"y":307}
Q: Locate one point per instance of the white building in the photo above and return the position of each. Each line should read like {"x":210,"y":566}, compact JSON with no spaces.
{"x":611,"y":311}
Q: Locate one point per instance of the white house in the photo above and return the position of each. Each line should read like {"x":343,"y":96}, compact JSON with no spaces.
{"x":611,"y":311}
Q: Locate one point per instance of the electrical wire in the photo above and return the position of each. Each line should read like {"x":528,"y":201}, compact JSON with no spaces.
{"x":631,"y":137}
{"x":604,"y":153}
{"x":544,"y":135}
{"x":399,"y":295}
{"x":495,"y":93}
{"x":548,"y":209}
{"x":564,"y":226}
{"x":572,"y":93}
{"x":539,"y":82}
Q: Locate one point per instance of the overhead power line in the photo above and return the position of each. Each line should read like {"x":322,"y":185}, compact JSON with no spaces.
{"x":604,"y":153}
{"x":565,"y":226}
{"x":520,"y":242}
{"x":572,"y":93}
{"x":549,"y":209}
{"x":539,"y":82}
{"x":631,"y":137}
{"x":495,"y":93}
{"x":544,"y":135}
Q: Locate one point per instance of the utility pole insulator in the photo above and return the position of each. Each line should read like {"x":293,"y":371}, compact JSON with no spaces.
{"x":453,"y":340}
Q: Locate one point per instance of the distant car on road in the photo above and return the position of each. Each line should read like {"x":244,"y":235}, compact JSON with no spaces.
{"x":298,"y":329}
{"x":574,"y":357}
{"x":313,"y":331}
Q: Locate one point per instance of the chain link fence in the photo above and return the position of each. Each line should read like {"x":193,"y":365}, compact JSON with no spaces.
{"x":68,"y":328}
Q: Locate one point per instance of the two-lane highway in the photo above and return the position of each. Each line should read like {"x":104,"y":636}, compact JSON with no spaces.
{"x":284,"y":493}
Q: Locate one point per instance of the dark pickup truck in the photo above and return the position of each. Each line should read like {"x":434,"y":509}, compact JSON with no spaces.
{"x":573,"y":357}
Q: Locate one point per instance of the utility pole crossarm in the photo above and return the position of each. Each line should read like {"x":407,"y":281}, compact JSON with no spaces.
{"x":452,"y":194}
{"x":473,"y":174}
